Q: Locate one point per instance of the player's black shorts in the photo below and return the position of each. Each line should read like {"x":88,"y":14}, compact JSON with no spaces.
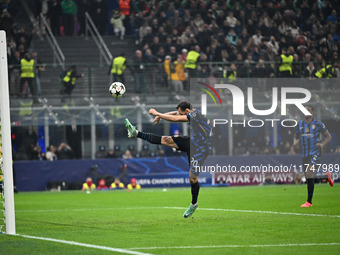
{"x":198,"y":156}
{"x":183,"y":143}
{"x":310,"y":160}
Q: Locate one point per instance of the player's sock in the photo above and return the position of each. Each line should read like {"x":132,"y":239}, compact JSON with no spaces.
{"x":151,"y":138}
{"x":310,"y":188}
{"x":195,"y":188}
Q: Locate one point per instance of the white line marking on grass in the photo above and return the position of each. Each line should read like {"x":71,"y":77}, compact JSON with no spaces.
{"x":179,"y":208}
{"x":255,"y":211}
{"x":86,"y":245}
{"x":236,"y":246}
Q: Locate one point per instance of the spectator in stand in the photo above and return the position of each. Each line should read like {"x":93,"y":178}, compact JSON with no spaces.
{"x":137,"y":69}
{"x":318,"y":30}
{"x":83,"y":6}
{"x":55,"y":13}
{"x":51,"y":153}
{"x":40,"y":67}
{"x":184,"y":55}
{"x":37,"y":154}
{"x":127,"y":155}
{"x":257,"y":37}
{"x":274,"y":45}
{"x":143,"y":31}
{"x":232,"y":37}
{"x":124,"y":7}
{"x":148,"y":38}
{"x":173,"y":53}
{"x":69,"y":10}
{"x":65,"y":151}
{"x":118,"y":26}
{"x":30,"y":141}
{"x":110,"y":153}
{"x":6,"y":22}
{"x":231,"y":19}
{"x":14,"y":68}
{"x":137,"y":24}
{"x":99,"y":15}
{"x":333,"y":17}
{"x":155,"y":45}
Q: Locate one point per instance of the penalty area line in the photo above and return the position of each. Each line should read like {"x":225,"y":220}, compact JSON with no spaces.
{"x":118,"y":250}
{"x":235,"y":246}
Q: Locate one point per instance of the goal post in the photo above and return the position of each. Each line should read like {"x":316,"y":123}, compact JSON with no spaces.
{"x":7,"y":196}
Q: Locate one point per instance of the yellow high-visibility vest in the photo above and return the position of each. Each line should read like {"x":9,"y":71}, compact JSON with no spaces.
{"x":232,"y":77}
{"x":27,"y":68}
{"x":286,"y":63}
{"x":120,"y":185}
{"x":329,"y":69}
{"x":25,"y":108}
{"x":68,"y":78}
{"x":191,"y":61}
{"x":118,"y":66}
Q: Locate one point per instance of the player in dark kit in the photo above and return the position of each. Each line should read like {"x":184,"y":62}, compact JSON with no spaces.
{"x":197,"y":146}
{"x":308,"y":133}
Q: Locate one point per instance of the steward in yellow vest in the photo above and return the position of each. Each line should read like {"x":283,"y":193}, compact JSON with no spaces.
{"x":230,"y":74}
{"x":285,"y":69}
{"x":27,"y":75}
{"x":117,"y":68}
{"x":69,"y":80}
{"x":326,"y":72}
{"x":192,"y":61}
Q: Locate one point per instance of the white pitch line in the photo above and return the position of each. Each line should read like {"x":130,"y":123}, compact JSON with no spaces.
{"x":255,"y":211}
{"x":235,"y":246}
{"x":85,"y":245}
{"x":180,"y":208}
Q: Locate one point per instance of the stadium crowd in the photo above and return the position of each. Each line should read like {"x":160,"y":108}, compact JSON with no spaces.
{"x":246,"y":37}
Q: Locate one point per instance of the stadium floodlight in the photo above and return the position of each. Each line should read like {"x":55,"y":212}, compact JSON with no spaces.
{"x":7,"y":195}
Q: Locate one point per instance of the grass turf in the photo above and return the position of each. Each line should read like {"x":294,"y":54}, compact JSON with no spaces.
{"x":122,"y":219}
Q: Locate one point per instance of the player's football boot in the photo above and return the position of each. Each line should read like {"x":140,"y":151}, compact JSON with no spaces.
{"x":192,"y":208}
{"x":307,"y":204}
{"x":330,"y":181}
{"x":132,"y":131}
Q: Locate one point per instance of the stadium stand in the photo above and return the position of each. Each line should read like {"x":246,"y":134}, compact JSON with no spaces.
{"x":249,"y":34}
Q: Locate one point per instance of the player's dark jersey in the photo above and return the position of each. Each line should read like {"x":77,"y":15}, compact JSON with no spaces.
{"x":310,"y":136}
{"x":200,"y":130}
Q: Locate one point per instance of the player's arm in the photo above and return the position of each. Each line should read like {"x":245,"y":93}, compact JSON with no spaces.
{"x":327,"y":139}
{"x":157,"y":119}
{"x":168,"y":117}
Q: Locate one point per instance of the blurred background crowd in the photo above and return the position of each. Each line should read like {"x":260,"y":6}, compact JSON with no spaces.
{"x":188,"y":39}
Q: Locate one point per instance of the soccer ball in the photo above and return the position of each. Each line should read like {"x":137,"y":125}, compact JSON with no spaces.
{"x":117,"y":89}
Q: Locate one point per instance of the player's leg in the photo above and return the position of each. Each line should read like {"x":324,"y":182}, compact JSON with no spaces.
{"x":150,"y":137}
{"x":196,"y":161}
{"x":195,"y":187}
{"x":309,"y":169}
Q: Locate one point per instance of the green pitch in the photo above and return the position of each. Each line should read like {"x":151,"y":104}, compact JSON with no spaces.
{"x":233,"y":220}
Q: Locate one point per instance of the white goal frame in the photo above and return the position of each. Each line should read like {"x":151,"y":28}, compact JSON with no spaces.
{"x":7,"y":166}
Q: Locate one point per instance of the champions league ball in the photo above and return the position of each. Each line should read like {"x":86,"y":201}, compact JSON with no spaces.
{"x":117,"y":89}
